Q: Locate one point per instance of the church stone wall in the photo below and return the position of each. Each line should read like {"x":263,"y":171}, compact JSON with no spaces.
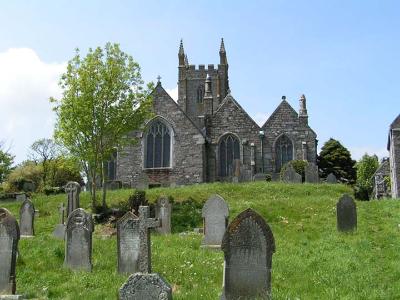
{"x":188,"y":150}
{"x":395,"y":161}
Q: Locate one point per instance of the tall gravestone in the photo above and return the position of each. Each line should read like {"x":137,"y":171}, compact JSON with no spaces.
{"x":331,"y":178}
{"x":248,"y":245}
{"x":59,"y":231}
{"x":145,"y":223}
{"x":78,"y":242}
{"x":27,"y":218}
{"x":163,"y":213}
{"x":311,"y":173}
{"x":9,"y":237}
{"x":290,"y":176}
{"x":346,"y":212}
{"x":128,"y":243}
{"x":215,"y":215}
{"x":145,"y":287}
{"x":73,"y":189}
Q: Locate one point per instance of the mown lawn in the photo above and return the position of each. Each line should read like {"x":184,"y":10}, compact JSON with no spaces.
{"x":312,"y":260}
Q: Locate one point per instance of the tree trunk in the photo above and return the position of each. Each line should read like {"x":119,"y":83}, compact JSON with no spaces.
{"x":103,"y":182}
{"x":93,"y":189}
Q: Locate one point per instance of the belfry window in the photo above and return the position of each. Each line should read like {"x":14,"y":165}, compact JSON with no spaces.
{"x":200,"y":93}
{"x":158,"y":146}
{"x":283,"y":152}
{"x":229,"y":150}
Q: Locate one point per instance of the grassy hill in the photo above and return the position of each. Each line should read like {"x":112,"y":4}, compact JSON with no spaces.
{"x":312,"y":260}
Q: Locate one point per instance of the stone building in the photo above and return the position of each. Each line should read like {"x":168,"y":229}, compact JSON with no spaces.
{"x":207,"y":136}
{"x":381,"y":189}
{"x":394,"y":156}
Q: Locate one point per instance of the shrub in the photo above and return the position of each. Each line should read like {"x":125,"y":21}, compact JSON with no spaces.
{"x":27,"y":173}
{"x":186,"y":215}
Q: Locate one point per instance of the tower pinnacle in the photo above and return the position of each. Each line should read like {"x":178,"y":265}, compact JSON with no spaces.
{"x":181,"y":54}
{"x":222,"y":53}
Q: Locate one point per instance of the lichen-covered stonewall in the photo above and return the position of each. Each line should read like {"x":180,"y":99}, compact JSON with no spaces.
{"x":207,"y":136}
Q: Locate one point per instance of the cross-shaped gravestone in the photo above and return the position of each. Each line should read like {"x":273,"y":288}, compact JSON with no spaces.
{"x":59,"y":231}
{"x":73,"y":190}
{"x":145,"y":223}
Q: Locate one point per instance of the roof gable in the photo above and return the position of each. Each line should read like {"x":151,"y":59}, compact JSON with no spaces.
{"x":283,"y":109}
{"x":229,"y":100}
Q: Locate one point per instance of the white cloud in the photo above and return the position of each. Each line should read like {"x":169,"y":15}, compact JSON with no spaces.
{"x":358,"y":152}
{"x":26,"y":84}
{"x":173,"y":93}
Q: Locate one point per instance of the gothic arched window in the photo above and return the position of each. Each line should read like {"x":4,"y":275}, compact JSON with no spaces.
{"x":283,"y":151}
{"x":158,"y":146}
{"x":229,"y":150}
{"x":200,"y":93}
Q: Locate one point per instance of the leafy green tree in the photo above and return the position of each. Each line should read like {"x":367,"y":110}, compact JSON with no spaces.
{"x":6,"y":162}
{"x":103,"y":100}
{"x":44,"y":151}
{"x":366,"y":168}
{"x":335,"y":158}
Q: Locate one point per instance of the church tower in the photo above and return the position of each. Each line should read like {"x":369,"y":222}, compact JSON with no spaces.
{"x":191,"y":84}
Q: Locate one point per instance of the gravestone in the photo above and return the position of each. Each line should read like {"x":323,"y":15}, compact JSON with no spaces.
{"x":248,"y":245}
{"x":27,"y":218}
{"x":59,"y":231}
{"x":20,"y":197}
{"x":163,"y":213}
{"x":78,"y":242}
{"x":215,"y":215}
{"x":260,"y":177}
{"x":346,"y":212}
{"x":128,"y":243}
{"x":331,"y":178}
{"x":236,"y":171}
{"x":73,"y":190}
{"x":145,"y":223}
{"x":145,"y":287}
{"x":9,"y":237}
{"x":290,"y":176}
{"x":311,"y":173}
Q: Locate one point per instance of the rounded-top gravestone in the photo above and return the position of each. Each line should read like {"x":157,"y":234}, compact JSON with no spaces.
{"x":26,"y":218}
{"x":141,"y":286}
{"x":128,"y":243}
{"x":346,"y":211}
{"x":331,"y":178}
{"x":78,"y":242}
{"x":163,"y":213}
{"x":215,"y":214}
{"x":248,"y":245}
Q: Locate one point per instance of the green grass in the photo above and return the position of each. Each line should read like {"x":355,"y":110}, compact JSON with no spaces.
{"x":312,"y":260}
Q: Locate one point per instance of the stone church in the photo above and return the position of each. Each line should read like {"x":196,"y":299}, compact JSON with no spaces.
{"x":206,"y":136}
{"x":393,"y":147}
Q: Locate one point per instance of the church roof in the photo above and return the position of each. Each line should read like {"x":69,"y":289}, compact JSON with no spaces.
{"x":395,"y":125}
{"x":284,"y":104}
{"x":160,"y":90}
{"x":229,"y":98}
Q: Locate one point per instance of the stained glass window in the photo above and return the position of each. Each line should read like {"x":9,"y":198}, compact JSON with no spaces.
{"x":283,"y":151}
{"x":229,"y":150}
{"x":158,"y":146}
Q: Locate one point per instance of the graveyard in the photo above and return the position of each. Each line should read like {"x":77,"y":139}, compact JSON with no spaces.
{"x":312,"y":259}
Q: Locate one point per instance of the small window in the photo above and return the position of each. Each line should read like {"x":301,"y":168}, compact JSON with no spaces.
{"x":158,"y":146}
{"x":200,"y":94}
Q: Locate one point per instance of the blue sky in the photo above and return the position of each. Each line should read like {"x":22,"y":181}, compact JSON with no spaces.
{"x":343,"y":55}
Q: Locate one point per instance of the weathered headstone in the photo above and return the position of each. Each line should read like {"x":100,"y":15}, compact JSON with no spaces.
{"x":236,"y":171}
{"x":290,"y":176}
{"x":145,"y":287}
{"x":27,"y":218}
{"x":248,"y":245}
{"x":59,"y":231}
{"x":78,"y":242}
{"x":215,"y":215}
{"x":259,"y":177}
{"x":145,"y":223}
{"x":73,"y":190}
{"x":128,"y":243}
{"x":331,"y":178}
{"x":311,"y":173}
{"x":346,"y":212}
{"x":163,"y":213}
{"x":20,"y":197}
{"x":9,"y":237}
